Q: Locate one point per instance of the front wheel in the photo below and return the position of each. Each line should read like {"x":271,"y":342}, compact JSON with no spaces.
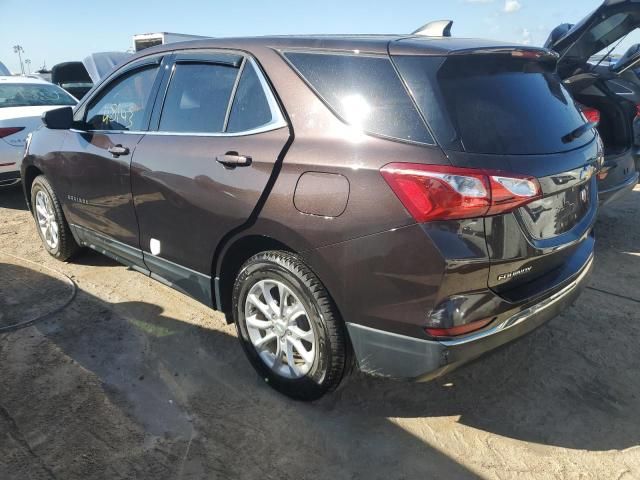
{"x":288,"y":326}
{"x":52,"y":226}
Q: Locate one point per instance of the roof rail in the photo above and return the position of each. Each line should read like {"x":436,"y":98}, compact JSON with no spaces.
{"x":437,"y":28}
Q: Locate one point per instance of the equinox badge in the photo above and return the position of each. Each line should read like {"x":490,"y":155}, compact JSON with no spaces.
{"x":517,"y":273}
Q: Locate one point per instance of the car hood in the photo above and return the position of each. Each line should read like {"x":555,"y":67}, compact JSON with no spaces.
{"x":99,"y":65}
{"x":607,"y":24}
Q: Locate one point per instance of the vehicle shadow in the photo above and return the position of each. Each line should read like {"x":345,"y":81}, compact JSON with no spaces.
{"x":572,"y":383}
{"x":193,"y":394}
{"x":13,"y":198}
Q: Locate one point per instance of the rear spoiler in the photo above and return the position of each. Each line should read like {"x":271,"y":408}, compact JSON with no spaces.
{"x":531,"y":53}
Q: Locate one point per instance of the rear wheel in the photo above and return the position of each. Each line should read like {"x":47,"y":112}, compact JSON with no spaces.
{"x":52,"y":226}
{"x":288,"y":326}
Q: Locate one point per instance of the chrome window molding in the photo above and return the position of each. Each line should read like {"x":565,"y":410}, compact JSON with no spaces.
{"x":277,"y":118}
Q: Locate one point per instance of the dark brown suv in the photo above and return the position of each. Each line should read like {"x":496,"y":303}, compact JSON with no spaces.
{"x":404,"y":202}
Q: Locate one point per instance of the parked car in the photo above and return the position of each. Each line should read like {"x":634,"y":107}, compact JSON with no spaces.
{"x":78,"y":78}
{"x":592,"y":89}
{"x":22,"y":102}
{"x":412,"y":202}
{"x":73,"y":77}
{"x":624,"y":80}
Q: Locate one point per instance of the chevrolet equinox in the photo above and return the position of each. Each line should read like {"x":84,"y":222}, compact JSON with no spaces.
{"x":405,"y":203}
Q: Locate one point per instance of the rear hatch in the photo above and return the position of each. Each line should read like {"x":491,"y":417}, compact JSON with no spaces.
{"x":504,"y":109}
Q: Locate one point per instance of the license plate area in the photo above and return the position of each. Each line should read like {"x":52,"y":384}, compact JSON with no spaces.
{"x":558,"y":213}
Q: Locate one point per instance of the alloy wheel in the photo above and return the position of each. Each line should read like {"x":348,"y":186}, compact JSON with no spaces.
{"x":47,"y":220}
{"x":280,"y":329}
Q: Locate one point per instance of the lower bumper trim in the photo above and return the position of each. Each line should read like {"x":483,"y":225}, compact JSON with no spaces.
{"x":398,"y":356}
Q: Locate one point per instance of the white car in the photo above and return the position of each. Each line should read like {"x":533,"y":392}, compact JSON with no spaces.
{"x":23,"y":100}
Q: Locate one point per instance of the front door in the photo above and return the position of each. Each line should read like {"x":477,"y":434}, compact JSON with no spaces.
{"x":200,"y":175}
{"x":99,"y":159}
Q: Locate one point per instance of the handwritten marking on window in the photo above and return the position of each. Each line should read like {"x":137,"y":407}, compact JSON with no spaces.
{"x":121,"y":113}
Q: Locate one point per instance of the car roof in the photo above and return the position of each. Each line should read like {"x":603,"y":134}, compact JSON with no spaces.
{"x":402,"y":44}
{"x":21,"y":79}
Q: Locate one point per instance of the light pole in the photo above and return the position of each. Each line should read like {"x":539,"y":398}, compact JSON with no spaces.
{"x":18,"y":49}
{"x":27,"y":62}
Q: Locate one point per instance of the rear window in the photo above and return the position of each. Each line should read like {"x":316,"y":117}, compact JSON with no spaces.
{"x":27,"y":95}
{"x":493,"y":103}
{"x":364,"y":91}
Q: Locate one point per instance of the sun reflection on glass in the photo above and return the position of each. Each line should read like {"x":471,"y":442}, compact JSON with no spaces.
{"x":356,"y":110}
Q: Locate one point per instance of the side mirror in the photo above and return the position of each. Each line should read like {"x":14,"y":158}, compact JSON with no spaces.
{"x":59,"y":118}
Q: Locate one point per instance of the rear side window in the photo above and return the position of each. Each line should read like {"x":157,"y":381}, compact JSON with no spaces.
{"x":197,"y":98}
{"x":364,"y":91}
{"x":493,"y":103}
{"x":125,"y":104}
{"x":250,"y":108}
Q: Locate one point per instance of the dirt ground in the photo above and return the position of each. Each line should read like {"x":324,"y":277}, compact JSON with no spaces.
{"x":132,"y":380}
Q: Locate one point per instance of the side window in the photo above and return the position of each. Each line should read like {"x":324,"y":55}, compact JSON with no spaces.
{"x":364,"y":91}
{"x":197,"y":98}
{"x":250,"y":106}
{"x":124,"y":104}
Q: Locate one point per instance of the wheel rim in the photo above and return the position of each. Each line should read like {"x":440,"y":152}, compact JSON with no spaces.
{"x":280,"y":329}
{"x":47,"y":219}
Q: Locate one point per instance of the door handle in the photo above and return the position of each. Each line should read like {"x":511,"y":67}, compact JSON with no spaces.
{"x":232,"y":159}
{"x":118,"y":150}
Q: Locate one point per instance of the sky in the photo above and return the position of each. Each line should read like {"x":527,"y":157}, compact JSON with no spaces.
{"x":57,"y":31}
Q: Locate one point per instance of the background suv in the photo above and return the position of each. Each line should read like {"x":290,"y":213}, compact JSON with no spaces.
{"x":413,"y":202}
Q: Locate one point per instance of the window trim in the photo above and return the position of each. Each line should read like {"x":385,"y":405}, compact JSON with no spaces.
{"x":358,"y":54}
{"x":277,"y":117}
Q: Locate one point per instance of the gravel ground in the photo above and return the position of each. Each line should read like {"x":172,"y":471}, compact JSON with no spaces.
{"x":135,"y":381}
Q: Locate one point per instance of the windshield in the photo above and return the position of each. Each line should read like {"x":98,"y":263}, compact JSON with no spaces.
{"x":27,"y":95}
{"x":494,"y":103}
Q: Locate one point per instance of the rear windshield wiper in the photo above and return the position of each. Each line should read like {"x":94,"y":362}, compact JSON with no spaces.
{"x":578,"y":132}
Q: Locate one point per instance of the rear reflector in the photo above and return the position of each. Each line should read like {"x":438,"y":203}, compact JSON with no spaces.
{"x":6,"y":131}
{"x":591,"y":114}
{"x":459,"y":330}
{"x":437,"y":192}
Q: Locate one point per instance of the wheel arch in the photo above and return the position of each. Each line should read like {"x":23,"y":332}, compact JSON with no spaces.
{"x":30,"y":174}
{"x":232,"y":260}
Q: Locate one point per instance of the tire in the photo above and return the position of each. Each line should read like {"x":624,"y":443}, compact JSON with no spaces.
{"x":276,"y":272}
{"x":65,"y":246}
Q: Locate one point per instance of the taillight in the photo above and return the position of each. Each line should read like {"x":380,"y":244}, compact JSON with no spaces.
{"x":437,"y":192}
{"x":638,"y":110}
{"x":591,"y":114}
{"x":459,"y":330}
{"x":6,"y":131}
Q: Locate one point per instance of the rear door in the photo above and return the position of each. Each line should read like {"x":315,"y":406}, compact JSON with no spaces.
{"x":218,"y":135}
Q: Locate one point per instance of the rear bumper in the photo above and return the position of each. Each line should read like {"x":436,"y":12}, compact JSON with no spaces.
{"x":611,"y":194}
{"x":10,"y":160}
{"x":391,"y":355}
